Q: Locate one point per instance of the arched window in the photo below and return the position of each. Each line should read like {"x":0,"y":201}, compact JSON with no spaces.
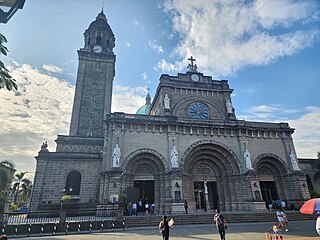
{"x":108,"y":43}
{"x":89,"y":39}
{"x":98,"y":40}
{"x":73,"y":183}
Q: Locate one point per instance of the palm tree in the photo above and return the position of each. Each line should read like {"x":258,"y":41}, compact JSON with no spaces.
{"x":25,"y":190}
{"x":316,"y":165}
{"x":6,"y":81}
{"x":18,"y":180}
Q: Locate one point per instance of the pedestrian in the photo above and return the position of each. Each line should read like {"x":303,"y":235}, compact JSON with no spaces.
{"x":134,"y":209}
{"x":146,"y":206}
{"x":318,"y":224}
{"x":283,"y":205}
{"x":152,"y":209}
{"x":129,"y":208}
{"x":221,"y":224}
{"x":164,"y":228}
{"x":275,"y":229}
{"x":186,"y":206}
{"x":140,"y":205}
{"x":283,"y":220}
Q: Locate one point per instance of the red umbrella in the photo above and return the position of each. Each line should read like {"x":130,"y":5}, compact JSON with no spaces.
{"x":311,"y":206}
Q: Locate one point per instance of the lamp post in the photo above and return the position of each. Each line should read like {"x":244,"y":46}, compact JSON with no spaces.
{"x":63,"y":201}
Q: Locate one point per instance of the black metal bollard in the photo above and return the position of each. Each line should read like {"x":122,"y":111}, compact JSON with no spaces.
{"x":67,"y":227}
{"x":113,"y":224}
{"x":55,"y":228}
{"x":101,"y":225}
{"x":123,"y":223}
{"x":3,"y":229}
{"x":42,"y":229}
{"x":79,"y":227}
{"x":16,"y":230}
{"x":90,"y":227}
{"x":29,"y":229}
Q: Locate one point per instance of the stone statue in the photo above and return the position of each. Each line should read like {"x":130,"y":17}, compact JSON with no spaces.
{"x":229,"y":106}
{"x":294,"y":163}
{"x":247,"y":158}
{"x":116,"y":156}
{"x":174,"y":157}
{"x":166,"y":101}
{"x":44,"y":147}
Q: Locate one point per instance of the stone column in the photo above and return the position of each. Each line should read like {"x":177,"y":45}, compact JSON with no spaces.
{"x":206,"y":196}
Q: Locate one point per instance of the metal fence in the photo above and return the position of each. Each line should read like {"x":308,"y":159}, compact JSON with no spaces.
{"x":49,"y":223}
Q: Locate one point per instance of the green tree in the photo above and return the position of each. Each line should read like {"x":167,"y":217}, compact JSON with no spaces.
{"x":25,"y":190}
{"x":316,"y":165}
{"x":17,"y":182}
{"x":6,"y":81}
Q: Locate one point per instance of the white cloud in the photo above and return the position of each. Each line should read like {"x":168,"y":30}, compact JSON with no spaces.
{"x":155,"y":46}
{"x":226,"y":36}
{"x":307,"y":125}
{"x":144,"y":76}
{"x":52,"y":68}
{"x":37,"y":112}
{"x":307,"y":133}
{"x":163,"y":65}
{"x":41,"y":109}
{"x":127,"y":99}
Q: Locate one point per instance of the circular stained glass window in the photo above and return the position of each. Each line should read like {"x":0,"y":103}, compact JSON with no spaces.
{"x":198,"y":111}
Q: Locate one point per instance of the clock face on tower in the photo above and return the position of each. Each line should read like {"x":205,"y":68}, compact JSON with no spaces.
{"x":198,"y":111}
{"x":97,"y":49}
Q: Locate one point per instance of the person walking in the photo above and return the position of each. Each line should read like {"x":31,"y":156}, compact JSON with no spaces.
{"x":283,"y":220}
{"x":164,"y":228}
{"x":186,"y":206}
{"x":221,"y":224}
{"x":134,"y":208}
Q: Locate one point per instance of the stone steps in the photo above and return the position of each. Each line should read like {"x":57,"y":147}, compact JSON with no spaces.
{"x":207,"y":218}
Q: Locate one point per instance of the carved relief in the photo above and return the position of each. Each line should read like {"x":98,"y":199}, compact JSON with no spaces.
{"x":82,"y":148}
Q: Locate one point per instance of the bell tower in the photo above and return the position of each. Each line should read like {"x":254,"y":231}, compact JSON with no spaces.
{"x":96,"y":71}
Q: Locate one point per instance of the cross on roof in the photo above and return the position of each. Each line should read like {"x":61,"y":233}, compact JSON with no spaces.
{"x":192,"y":67}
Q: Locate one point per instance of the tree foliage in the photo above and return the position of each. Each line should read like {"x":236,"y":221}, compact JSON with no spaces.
{"x":6,"y":81}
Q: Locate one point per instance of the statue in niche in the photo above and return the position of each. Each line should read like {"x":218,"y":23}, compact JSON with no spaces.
{"x":174,"y":157}
{"x":116,"y":156}
{"x":247,"y":158}
{"x":294,"y":162}
{"x":229,"y":106}
{"x":166,"y":101}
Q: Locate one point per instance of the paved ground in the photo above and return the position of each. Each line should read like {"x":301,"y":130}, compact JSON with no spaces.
{"x":304,"y":230}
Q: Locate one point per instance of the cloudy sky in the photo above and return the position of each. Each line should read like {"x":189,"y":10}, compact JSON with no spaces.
{"x":269,"y":51}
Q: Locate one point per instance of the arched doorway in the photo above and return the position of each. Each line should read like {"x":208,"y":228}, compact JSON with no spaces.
{"x":270,"y":172}
{"x":145,"y":177}
{"x":210,"y":167}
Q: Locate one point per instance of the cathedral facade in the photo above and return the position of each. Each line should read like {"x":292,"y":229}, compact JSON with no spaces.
{"x":187,"y":145}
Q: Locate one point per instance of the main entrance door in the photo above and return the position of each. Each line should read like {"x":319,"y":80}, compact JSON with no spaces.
{"x":198,"y":195}
{"x":146,"y":190}
{"x":268,"y":191}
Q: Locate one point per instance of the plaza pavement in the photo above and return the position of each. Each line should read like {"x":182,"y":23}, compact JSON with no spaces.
{"x":299,"y":230}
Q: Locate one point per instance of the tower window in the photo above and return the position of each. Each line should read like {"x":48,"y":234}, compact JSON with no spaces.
{"x":89,"y":39}
{"x":97,"y":65}
{"x":93,"y":98}
{"x":98,"y":40}
{"x":93,"y":82}
{"x":108,"y":43}
{"x":73,"y":183}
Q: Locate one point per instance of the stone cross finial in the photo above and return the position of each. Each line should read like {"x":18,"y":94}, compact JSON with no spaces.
{"x":192,"y":67}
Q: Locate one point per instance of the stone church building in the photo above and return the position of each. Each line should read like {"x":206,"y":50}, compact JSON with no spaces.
{"x":185,"y":144}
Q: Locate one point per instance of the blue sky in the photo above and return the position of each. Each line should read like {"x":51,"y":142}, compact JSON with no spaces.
{"x":269,"y":51}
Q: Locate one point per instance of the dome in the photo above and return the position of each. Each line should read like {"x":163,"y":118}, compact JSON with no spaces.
{"x":100,"y":23}
{"x":145,"y":109}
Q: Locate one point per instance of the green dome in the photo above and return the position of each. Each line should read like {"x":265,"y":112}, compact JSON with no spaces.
{"x":145,"y":109}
